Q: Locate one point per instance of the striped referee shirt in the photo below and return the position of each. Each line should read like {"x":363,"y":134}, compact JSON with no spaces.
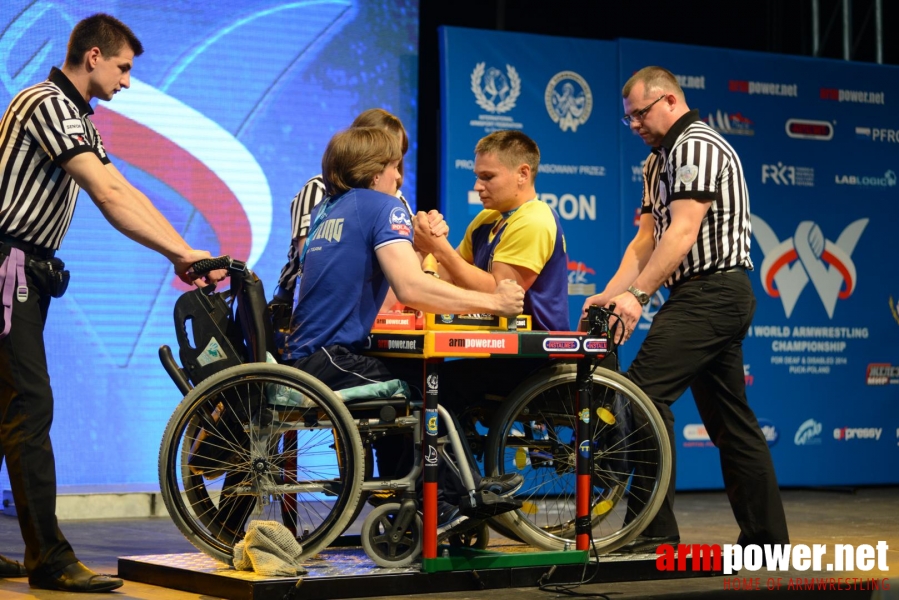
{"x":694,"y":161}
{"x":44,"y":126}
{"x":301,"y":206}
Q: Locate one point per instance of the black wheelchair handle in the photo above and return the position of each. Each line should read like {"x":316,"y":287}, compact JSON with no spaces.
{"x":204,"y":266}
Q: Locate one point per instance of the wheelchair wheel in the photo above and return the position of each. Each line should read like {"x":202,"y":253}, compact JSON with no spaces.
{"x":229,"y":456}
{"x":379,"y":543}
{"x":534,"y":434}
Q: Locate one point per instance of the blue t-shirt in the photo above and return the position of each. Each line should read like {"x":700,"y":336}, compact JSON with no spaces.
{"x":342,"y":286}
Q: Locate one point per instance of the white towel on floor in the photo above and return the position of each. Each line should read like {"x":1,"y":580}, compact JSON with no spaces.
{"x":270,"y":549}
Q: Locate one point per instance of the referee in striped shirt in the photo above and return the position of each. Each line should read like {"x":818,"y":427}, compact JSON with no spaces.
{"x":694,"y":238}
{"x":49,"y":149}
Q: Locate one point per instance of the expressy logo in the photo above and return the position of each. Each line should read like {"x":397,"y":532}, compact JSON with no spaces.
{"x":857,"y":433}
{"x":882,"y":374}
{"x":887,"y":181}
{"x":748,"y":378}
{"x":806,"y":129}
{"x":763,"y":88}
{"x":808,"y":256}
{"x":578,"y":282}
{"x":568,"y":100}
{"x":730,"y":124}
{"x":859,"y":97}
{"x":878,"y":134}
{"x":781,"y":174}
{"x":809,"y":433}
{"x":495,"y":91}
{"x":696,"y":436}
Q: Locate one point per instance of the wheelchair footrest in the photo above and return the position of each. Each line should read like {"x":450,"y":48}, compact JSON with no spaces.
{"x":484,"y":504}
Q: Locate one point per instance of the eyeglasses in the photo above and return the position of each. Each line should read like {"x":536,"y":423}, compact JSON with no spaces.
{"x":640,"y":114}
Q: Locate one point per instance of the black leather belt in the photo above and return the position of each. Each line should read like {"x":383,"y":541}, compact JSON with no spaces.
{"x":27,"y":247}
{"x":740,"y":269}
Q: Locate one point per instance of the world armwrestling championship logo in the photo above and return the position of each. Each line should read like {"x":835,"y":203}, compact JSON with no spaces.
{"x":495,"y":91}
{"x":569,"y":100}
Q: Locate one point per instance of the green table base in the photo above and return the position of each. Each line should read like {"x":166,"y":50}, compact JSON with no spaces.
{"x":468,"y":559}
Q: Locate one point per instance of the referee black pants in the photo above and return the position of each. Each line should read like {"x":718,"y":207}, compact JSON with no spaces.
{"x":26,"y":413}
{"x":696,"y":341}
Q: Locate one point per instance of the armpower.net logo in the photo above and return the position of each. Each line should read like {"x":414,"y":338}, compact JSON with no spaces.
{"x":758,"y":566}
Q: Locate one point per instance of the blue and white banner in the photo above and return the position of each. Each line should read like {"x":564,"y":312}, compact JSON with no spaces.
{"x":555,"y":90}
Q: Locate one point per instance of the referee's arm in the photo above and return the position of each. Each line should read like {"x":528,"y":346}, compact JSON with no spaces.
{"x":130,"y":211}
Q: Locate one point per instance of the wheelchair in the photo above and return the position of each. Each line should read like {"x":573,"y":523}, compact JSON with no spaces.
{"x":255,"y":440}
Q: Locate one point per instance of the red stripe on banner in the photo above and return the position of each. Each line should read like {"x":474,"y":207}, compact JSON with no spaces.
{"x":184,"y":173}
{"x":786,"y":259}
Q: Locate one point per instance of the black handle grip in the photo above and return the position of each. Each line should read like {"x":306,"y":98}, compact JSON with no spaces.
{"x":204,"y":266}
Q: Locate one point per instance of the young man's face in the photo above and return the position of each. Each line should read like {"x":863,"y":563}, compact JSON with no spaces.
{"x":496,"y":183}
{"x":111,"y":74}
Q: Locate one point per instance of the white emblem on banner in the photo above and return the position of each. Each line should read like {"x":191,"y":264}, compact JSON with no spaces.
{"x":569,"y":100}
{"x":495,"y":91}
{"x":808,"y":257}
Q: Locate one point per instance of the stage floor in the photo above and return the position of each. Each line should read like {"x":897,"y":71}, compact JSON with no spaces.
{"x":863,"y":516}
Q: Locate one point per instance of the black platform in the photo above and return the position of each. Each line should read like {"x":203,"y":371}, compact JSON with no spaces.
{"x":349,"y":573}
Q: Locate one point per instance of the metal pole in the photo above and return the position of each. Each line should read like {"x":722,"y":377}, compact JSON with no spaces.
{"x":878,"y":29}
{"x":847,"y":29}
{"x":816,"y":29}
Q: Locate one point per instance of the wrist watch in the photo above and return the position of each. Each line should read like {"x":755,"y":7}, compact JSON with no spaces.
{"x":641,"y":296}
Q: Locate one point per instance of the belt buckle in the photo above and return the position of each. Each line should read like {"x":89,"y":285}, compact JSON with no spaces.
{"x":22,"y":293}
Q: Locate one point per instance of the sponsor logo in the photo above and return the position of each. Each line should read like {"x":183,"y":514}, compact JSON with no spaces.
{"x":571,"y":207}
{"x":475,"y":343}
{"x":399,"y":221}
{"x":770,"y":431}
{"x":887,"y":181}
{"x":748,"y":378}
{"x":584,"y":415}
{"x":432,"y":382}
{"x":595,"y":345}
{"x":330,"y":230}
{"x":578,"y":282}
{"x":397,"y":345}
{"x":73,"y":127}
{"x":686,"y":174}
{"x":808,"y":256}
{"x":584,"y":448}
{"x":781,"y":174}
{"x":859,"y":97}
{"x":877,"y":134}
{"x":431,"y":457}
{"x":568,"y":100}
{"x":805,"y":129}
{"x":557,"y":169}
{"x":431,"y":421}
{"x":495,"y":91}
{"x":561,"y":344}
{"x":808,"y":434}
{"x":691,"y":82}
{"x":637,"y":172}
{"x":857,"y":433}
{"x":882,"y":374}
{"x":696,"y":436}
{"x":763,"y":88}
{"x":730,"y":124}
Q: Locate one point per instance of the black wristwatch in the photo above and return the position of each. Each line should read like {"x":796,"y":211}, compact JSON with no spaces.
{"x":641,"y":296}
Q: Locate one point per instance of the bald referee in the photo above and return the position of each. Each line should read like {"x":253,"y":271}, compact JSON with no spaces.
{"x":49,"y":150}
{"x":694,"y":238}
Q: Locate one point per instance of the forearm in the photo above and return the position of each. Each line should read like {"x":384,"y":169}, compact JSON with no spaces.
{"x":158,"y":222}
{"x":430,"y":294}
{"x":669,"y":254}
{"x":464,"y":274}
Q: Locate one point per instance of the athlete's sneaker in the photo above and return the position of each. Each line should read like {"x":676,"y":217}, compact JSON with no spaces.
{"x":448,"y":516}
{"x":502,"y":485}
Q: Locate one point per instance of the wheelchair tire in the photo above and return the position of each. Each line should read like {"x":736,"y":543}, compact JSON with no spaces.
{"x":228,"y":457}
{"x":533,"y":433}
